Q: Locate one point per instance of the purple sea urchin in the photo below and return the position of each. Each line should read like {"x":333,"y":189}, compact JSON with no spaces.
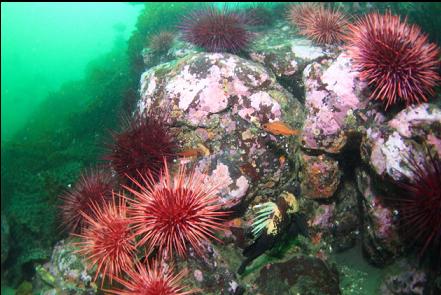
{"x":420,"y":206}
{"x":217,"y":30}
{"x":142,"y":146}
{"x":94,"y":187}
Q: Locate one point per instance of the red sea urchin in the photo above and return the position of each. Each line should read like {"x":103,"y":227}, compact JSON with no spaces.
{"x":93,"y":187}
{"x":175,"y":212}
{"x":161,"y":42}
{"x":152,"y":280}
{"x":300,"y":14}
{"x":108,"y":242}
{"x":217,"y":30}
{"x":321,"y":25}
{"x":394,"y":57}
{"x":325,"y":26}
{"x":142,"y":146}
{"x":420,"y":208}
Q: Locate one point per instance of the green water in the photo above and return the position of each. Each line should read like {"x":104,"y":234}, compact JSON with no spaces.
{"x":70,"y":72}
{"x":47,"y":44}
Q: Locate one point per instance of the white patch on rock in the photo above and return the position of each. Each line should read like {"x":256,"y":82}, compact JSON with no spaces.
{"x":414,"y":116}
{"x":243,"y":185}
{"x":394,"y":150}
{"x":304,"y":49}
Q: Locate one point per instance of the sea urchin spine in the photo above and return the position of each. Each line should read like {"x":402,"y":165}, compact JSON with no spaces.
{"x":420,"y":207}
{"x":152,"y":279}
{"x":176,"y":211}
{"x":94,"y":187}
{"x":107,"y":243}
{"x":395,"y":58}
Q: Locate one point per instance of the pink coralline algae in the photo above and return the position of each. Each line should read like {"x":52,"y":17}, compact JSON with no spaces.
{"x":323,"y":217}
{"x":222,"y":102}
{"x":389,"y":146}
{"x":384,"y":217}
{"x":233,"y":189}
{"x":332,"y":96}
{"x":415,"y":117}
{"x":208,"y":84}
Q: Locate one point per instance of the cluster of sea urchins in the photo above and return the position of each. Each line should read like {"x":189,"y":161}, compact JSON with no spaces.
{"x":166,"y":215}
{"x":320,"y":24}
{"x":395,"y":58}
{"x":217,"y":30}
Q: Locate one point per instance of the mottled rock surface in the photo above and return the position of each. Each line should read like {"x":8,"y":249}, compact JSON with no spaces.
{"x":333,"y":97}
{"x":346,"y":218}
{"x":381,"y":243}
{"x":284,"y":53}
{"x":387,"y":146}
{"x":211,"y":273}
{"x":65,"y":273}
{"x":408,"y":280}
{"x":299,"y":275}
{"x":219,"y":102}
{"x":320,"y":176}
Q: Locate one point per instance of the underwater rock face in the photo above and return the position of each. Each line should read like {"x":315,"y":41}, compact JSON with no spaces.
{"x":336,"y":223}
{"x":210,"y":273}
{"x":408,"y":281}
{"x":178,"y":49}
{"x":65,"y":273}
{"x":386,"y":148}
{"x":299,"y":275}
{"x":333,"y":96}
{"x":284,"y":54}
{"x":381,"y":243}
{"x":5,"y":237}
{"x":219,"y":103}
{"x":345,"y":219}
{"x":320,"y":176}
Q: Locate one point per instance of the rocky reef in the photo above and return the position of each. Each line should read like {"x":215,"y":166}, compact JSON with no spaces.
{"x":284,"y":117}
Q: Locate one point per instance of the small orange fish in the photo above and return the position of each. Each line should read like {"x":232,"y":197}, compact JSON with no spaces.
{"x":280,"y":128}
{"x":200,"y":150}
{"x":189,"y":153}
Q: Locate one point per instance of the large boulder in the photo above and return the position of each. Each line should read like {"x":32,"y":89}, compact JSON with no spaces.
{"x":386,"y":147}
{"x":333,"y":99}
{"x":282,"y":52}
{"x":299,"y":275}
{"x":320,"y":176}
{"x":220,"y":103}
{"x":65,"y":273}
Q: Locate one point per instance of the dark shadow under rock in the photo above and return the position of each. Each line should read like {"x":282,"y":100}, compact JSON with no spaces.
{"x":300,"y":275}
